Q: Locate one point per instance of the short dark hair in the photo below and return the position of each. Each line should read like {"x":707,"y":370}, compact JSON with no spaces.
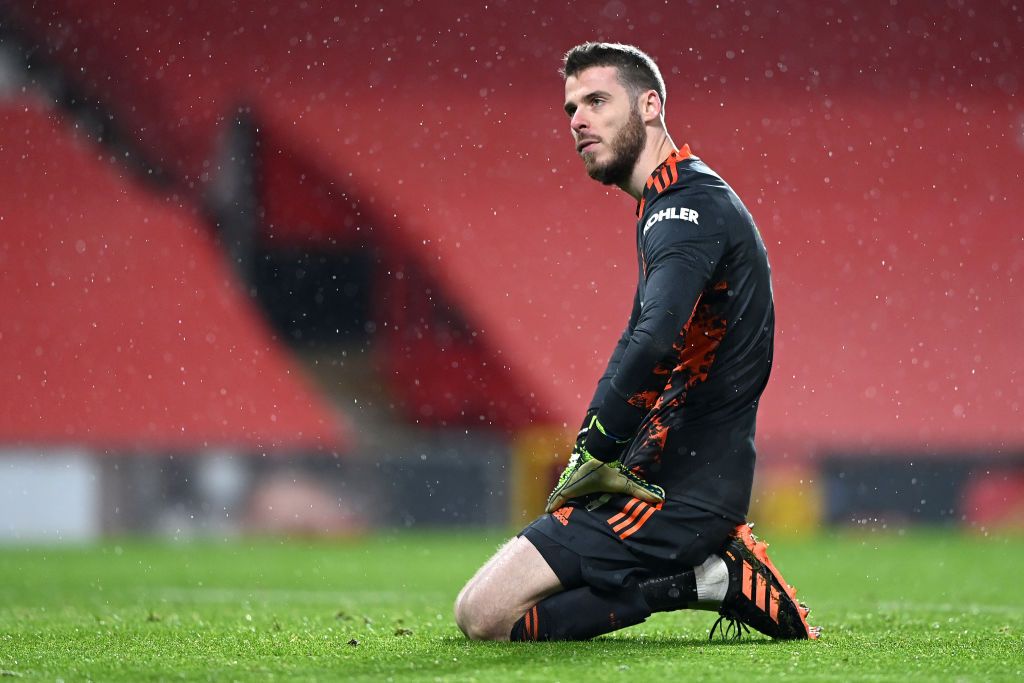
{"x":637,"y":71}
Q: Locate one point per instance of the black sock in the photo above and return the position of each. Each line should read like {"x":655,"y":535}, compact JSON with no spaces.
{"x":581,"y":613}
{"x":671,"y":592}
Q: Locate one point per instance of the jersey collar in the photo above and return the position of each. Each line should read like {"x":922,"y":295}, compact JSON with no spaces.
{"x":661,"y":177}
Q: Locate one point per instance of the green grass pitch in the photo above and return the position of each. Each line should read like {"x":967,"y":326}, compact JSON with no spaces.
{"x":920,"y":606}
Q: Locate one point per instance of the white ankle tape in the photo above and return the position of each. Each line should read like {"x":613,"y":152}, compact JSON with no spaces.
{"x":712,"y":579}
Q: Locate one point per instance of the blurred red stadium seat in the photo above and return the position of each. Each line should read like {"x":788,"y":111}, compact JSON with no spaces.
{"x":121,"y":325}
{"x":879,"y":148}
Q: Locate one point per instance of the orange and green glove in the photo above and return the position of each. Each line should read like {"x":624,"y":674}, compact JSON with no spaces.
{"x":586,"y":473}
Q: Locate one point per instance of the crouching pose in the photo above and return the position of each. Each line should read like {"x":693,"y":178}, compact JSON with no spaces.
{"x":650,"y":512}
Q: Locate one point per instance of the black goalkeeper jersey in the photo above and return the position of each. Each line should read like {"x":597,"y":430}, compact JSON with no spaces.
{"x":687,"y":374}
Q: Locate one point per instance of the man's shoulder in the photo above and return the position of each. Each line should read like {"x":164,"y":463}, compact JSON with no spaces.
{"x":699,"y":200}
{"x":687,"y":196}
{"x":690,"y":178}
{"x":697,"y":178}
{"x":696,"y":181}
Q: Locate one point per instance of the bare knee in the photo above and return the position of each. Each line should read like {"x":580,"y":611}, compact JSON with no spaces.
{"x":516,"y":578}
{"x":479,"y":620}
{"x":461,"y":608}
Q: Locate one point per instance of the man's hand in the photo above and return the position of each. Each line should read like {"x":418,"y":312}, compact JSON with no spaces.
{"x":585,"y":475}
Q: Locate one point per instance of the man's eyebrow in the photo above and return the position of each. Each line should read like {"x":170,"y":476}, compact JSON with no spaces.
{"x":570,"y":108}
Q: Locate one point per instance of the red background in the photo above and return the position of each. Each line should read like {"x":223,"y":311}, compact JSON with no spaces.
{"x":878,"y":148}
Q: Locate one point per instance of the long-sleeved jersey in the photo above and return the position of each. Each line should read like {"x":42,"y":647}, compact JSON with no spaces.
{"x":689,"y":369}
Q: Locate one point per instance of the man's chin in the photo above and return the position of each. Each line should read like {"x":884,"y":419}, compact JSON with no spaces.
{"x":602,"y":173}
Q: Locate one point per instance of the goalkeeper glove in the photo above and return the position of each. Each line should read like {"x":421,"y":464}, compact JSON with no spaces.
{"x":585,"y":474}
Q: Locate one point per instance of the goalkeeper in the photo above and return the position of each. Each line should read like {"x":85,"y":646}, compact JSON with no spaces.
{"x":649,"y":514}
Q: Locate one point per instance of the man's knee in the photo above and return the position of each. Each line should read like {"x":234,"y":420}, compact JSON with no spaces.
{"x":479,"y":621}
{"x":516,"y":578}
{"x":462,"y":609}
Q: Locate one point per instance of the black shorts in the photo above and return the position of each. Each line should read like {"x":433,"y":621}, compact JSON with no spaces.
{"x":611,"y":541}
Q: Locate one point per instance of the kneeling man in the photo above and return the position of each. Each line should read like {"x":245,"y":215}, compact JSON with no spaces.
{"x":650,"y":512}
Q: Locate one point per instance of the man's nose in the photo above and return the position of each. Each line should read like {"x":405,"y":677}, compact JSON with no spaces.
{"x":578,"y":123}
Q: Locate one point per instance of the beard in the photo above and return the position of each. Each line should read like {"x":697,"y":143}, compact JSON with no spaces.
{"x":626,"y":148}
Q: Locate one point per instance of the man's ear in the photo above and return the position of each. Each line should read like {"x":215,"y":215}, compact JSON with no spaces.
{"x":651,"y":106}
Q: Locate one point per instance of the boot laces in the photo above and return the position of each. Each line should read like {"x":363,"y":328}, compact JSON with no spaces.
{"x":734,"y":629}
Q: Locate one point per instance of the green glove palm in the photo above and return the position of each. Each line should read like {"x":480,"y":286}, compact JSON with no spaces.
{"x":586,"y":474}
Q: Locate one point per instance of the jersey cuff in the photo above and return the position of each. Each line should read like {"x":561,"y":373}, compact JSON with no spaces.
{"x":618,"y":416}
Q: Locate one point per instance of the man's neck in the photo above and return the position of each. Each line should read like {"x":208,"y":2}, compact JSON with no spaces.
{"x":659,"y":146}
